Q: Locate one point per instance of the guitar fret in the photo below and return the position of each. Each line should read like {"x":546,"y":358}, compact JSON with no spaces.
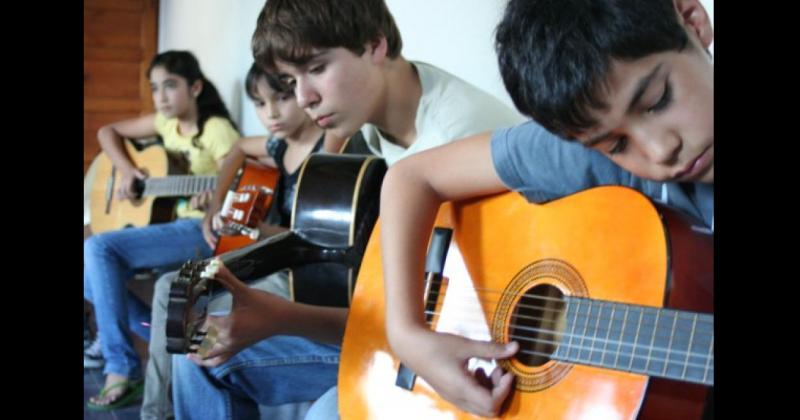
{"x":689,"y":349}
{"x":596,"y":328}
{"x":708,"y":360}
{"x":636,"y":339}
{"x":669,"y":346}
{"x":572,"y":331}
{"x":652,"y":343}
{"x":621,"y":333}
{"x":608,"y":333}
{"x":585,"y":327}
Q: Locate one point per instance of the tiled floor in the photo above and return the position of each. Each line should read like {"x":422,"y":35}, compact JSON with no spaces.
{"x":92,"y":384}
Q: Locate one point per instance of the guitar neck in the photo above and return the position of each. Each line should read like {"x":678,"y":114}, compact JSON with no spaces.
{"x":178,"y":185}
{"x":657,"y":342}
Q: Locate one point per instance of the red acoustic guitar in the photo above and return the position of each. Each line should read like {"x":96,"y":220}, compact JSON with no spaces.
{"x":246,"y":205}
{"x":609,"y":296}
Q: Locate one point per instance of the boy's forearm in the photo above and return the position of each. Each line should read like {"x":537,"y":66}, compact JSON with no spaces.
{"x":227,"y":172}
{"x":412,"y":192}
{"x":408,"y":210}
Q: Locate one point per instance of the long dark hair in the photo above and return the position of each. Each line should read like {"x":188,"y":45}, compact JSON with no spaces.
{"x":209,"y":103}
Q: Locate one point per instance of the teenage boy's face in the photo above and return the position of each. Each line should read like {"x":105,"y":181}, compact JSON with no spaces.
{"x":660,"y":120}
{"x":337,"y":88}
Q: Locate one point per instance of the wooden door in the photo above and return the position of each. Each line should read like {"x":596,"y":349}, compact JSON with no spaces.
{"x":119,"y":40}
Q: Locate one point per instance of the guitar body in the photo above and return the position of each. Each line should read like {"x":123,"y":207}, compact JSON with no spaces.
{"x":252,"y":174}
{"x":346,"y":188}
{"x":608,"y":243}
{"x":335,"y":209}
{"x":109,"y":212}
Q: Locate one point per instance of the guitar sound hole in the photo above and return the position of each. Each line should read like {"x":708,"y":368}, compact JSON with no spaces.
{"x":535,"y":324}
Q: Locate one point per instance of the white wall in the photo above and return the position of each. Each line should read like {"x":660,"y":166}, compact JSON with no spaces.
{"x":455,"y":35}
{"x":218,"y":33}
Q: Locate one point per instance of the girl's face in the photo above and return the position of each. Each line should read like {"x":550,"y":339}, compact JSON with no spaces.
{"x":278,"y":111}
{"x":172,"y":95}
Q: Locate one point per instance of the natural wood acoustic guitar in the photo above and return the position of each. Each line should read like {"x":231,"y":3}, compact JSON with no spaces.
{"x":609,"y":295}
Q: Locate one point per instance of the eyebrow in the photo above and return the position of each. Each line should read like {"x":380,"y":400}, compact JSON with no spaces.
{"x":164,"y":82}
{"x":316,"y":55}
{"x":305,"y":62}
{"x":641,"y":88}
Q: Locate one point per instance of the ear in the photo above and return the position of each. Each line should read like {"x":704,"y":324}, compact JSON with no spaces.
{"x":197,"y":88}
{"x":378,"y":49}
{"x":695,"y":18}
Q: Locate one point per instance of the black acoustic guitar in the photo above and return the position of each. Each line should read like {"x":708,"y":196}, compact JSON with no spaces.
{"x":335,"y":208}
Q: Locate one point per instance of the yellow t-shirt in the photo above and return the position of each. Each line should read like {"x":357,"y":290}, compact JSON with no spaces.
{"x":217,"y":139}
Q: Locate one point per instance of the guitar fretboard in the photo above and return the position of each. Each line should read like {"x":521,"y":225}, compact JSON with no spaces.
{"x":657,"y":342}
{"x":178,"y":185}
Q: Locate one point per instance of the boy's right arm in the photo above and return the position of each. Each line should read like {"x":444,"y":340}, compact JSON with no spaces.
{"x":254,"y":147}
{"x":412,"y":192}
{"x":112,"y":137}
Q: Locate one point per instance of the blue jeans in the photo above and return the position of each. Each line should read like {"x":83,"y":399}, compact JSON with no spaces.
{"x":275,"y":371}
{"x":110,"y":259}
{"x":325,"y":407}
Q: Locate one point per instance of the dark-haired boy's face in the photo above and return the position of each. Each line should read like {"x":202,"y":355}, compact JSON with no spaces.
{"x":660,"y":120}
{"x":278,"y":111}
{"x":337,"y":88}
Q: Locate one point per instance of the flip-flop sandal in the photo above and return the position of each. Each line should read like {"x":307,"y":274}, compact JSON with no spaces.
{"x":132,"y":392}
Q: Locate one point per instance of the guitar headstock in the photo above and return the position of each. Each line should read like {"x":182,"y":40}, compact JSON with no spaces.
{"x":188,"y":305}
{"x":247,"y":206}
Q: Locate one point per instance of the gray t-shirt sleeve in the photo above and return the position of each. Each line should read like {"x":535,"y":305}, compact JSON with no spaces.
{"x":544,"y":167}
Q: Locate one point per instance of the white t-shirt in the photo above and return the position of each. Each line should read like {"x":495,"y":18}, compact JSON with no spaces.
{"x":449,"y":109}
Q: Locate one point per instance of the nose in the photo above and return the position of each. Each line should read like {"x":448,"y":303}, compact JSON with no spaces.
{"x":661,"y":146}
{"x":159,"y":96}
{"x":307,"y":97}
{"x":272,"y":110}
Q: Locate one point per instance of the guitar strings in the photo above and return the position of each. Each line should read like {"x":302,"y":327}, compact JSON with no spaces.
{"x":570,"y":346}
{"x":700,"y":318}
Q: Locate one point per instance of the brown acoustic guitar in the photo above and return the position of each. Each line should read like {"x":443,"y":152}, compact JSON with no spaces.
{"x":251,"y":195}
{"x":155,"y":202}
{"x":609,"y":295}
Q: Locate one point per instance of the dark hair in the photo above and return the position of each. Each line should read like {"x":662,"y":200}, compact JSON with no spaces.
{"x":288,"y":30}
{"x":255,"y":73}
{"x":209,"y":103}
{"x":554,"y":55}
